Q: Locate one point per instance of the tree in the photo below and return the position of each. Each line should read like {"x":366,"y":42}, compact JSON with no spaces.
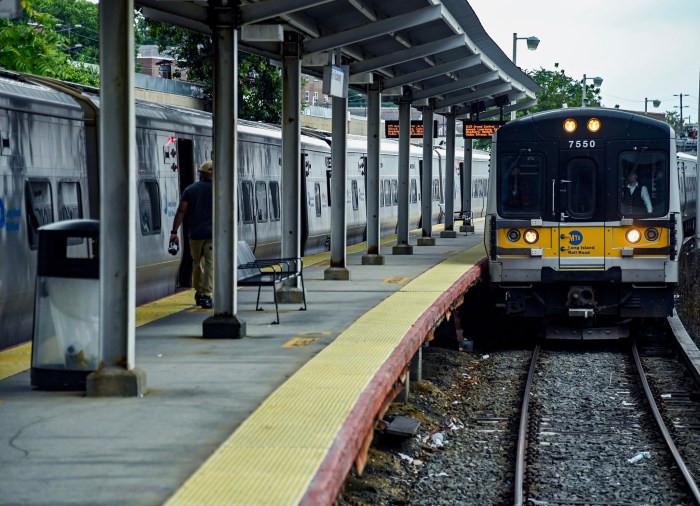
{"x":559,"y":89}
{"x":78,"y":22}
{"x":673,"y":118}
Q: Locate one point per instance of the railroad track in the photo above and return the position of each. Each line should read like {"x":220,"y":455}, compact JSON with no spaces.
{"x":591,"y":431}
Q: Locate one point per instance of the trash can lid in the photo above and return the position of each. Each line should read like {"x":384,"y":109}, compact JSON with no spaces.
{"x":85,"y":228}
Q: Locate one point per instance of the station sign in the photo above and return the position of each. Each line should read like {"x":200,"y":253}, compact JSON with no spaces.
{"x":480,"y":129}
{"x":391,"y":129}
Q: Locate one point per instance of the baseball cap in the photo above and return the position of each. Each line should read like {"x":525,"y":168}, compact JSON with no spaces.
{"x":207,"y":167}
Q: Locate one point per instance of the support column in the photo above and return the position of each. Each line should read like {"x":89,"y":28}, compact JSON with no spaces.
{"x":426,"y":213}
{"x":339,"y":139}
{"x":118,"y":377}
{"x":290,"y":192}
{"x":402,"y":247}
{"x":224,"y":323}
{"x":467,"y":185}
{"x":449,"y":231}
{"x":373,"y":257}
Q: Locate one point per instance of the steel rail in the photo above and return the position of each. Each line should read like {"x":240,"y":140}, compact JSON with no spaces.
{"x":522,"y":431}
{"x":662,"y":426}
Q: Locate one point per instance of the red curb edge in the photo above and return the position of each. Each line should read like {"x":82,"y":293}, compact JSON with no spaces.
{"x":330,"y":476}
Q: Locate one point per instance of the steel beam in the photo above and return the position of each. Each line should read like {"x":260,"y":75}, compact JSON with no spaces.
{"x":430,"y":72}
{"x":460,"y":84}
{"x":268,"y":9}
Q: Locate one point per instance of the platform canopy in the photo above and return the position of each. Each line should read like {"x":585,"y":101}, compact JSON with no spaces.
{"x":418,"y":49}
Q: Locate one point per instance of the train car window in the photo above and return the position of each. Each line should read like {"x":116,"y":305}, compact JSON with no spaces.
{"x":69,"y":201}
{"x":149,"y":207}
{"x":381,"y":193}
{"x":274,"y":201}
{"x":387,"y":192}
{"x":395,"y":192}
{"x":317,"y":198}
{"x":247,"y":201}
{"x":414,"y":191}
{"x":355,"y":195}
{"x":261,"y":201}
{"x":39,"y":208}
{"x":436,"y":189}
{"x":643,"y":183}
{"x":521,"y":186}
{"x":581,"y":194}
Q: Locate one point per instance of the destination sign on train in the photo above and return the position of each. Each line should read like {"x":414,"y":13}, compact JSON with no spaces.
{"x":391,"y":129}
{"x":480,"y":129}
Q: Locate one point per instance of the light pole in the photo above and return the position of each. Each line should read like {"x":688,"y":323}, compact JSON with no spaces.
{"x":655,"y":103}
{"x":681,"y":95}
{"x":532,"y":43}
{"x":597,"y":81}
{"x":67,"y":27}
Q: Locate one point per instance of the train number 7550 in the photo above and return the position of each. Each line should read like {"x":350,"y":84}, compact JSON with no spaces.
{"x":582,"y":144}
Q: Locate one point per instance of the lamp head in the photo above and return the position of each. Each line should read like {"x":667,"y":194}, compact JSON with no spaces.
{"x":598,"y":81}
{"x":532,"y":43}
{"x":656,"y":103}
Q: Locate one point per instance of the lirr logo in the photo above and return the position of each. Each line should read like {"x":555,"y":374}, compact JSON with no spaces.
{"x":575,"y":237}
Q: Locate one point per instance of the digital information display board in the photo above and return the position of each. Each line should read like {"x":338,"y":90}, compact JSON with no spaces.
{"x":391,"y":129}
{"x":480,"y":129}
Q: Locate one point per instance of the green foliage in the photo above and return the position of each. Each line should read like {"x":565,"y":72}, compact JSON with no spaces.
{"x":68,"y":14}
{"x":31,"y":45}
{"x":673,"y":118}
{"x":559,"y":89}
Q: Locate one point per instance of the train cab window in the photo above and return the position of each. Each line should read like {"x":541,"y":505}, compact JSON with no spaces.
{"x":39,"y":208}
{"x":317,"y":198}
{"x":436,"y":189}
{"x":581,"y":192}
{"x":643,"y":183}
{"x":261,"y":201}
{"x":387,"y":192}
{"x":355,"y":195}
{"x":395,"y":192}
{"x":520,"y":192}
{"x":247,"y":201}
{"x":414,"y":191}
{"x":69,"y":202}
{"x":274,"y":201}
{"x":149,"y":207}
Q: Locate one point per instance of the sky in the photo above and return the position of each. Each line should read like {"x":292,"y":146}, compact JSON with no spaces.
{"x":641,"y":48}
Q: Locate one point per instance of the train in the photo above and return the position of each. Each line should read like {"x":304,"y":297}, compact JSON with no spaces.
{"x":49,"y":154}
{"x":586,"y":214}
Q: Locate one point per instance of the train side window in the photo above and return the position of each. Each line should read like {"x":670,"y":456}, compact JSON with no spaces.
{"x":355,"y":195}
{"x":436,"y":189}
{"x":520,"y":185}
{"x":381,"y":193}
{"x":394,"y":192}
{"x":643,"y":183}
{"x":387,"y":192}
{"x":261,"y":201}
{"x":247,"y":201}
{"x":149,"y":207}
{"x":414,"y":191}
{"x":274,"y":201}
{"x":38,"y":207}
{"x":317,"y":198}
{"x":581,"y":194}
{"x":70,"y":205}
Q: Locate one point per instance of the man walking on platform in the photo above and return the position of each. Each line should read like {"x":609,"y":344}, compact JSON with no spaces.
{"x":196,"y":205}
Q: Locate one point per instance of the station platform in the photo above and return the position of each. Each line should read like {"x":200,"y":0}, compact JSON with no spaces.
{"x":272,"y":419}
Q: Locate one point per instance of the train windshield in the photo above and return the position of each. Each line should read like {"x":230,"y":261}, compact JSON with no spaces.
{"x":643,"y":183}
{"x":581,"y":194}
{"x":520,"y":191}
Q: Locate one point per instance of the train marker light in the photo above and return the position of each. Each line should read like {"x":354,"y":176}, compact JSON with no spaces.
{"x":513,"y":235}
{"x":593,"y":125}
{"x":651,"y":234}
{"x":633,"y":235}
{"x":570,"y":125}
{"x":531,"y":236}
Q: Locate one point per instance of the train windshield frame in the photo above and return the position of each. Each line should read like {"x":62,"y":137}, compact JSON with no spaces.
{"x":521,"y":183}
{"x":643,"y":187}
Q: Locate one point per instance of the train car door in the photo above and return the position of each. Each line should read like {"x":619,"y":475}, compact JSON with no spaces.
{"x":186,"y":172}
{"x":581,"y":195}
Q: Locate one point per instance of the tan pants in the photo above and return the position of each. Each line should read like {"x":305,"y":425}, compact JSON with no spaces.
{"x":202,"y":265}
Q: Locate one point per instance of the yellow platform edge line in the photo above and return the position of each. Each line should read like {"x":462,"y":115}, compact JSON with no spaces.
{"x":276,"y":452}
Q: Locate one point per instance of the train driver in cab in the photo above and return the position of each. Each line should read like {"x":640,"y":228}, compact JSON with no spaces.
{"x":635,"y":197}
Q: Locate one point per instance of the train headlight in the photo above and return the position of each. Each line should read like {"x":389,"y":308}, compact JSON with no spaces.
{"x":593,"y":125}
{"x":531,"y":236}
{"x":633,"y":235}
{"x":513,"y":235}
{"x":651,"y":234}
{"x":570,"y":125}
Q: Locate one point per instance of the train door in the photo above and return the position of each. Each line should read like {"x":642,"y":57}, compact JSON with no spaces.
{"x":581,"y":192}
{"x":305,"y":168}
{"x":186,"y":171}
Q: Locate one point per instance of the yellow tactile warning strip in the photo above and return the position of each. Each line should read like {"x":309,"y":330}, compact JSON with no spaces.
{"x":275,"y":455}
{"x":15,"y":360}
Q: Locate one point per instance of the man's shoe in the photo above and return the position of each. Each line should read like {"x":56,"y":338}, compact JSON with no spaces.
{"x":198,"y":299}
{"x":206,"y":302}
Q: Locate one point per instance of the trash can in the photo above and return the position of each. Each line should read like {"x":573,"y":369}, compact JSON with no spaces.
{"x":65,"y":340}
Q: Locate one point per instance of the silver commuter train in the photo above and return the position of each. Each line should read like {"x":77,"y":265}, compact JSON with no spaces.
{"x":49,"y":172}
